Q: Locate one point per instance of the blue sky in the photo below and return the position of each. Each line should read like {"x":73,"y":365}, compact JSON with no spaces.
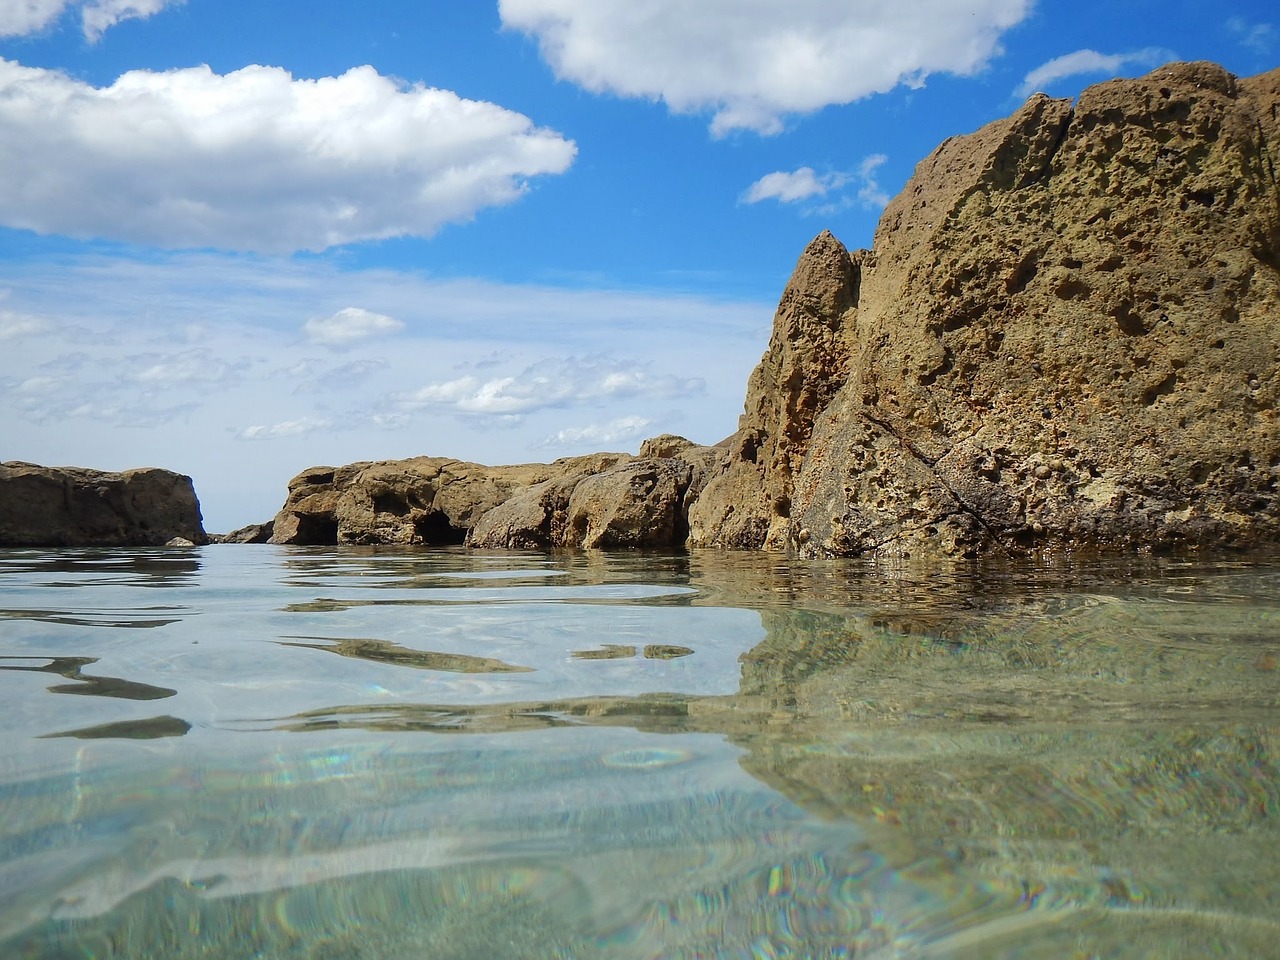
{"x":240,"y":239}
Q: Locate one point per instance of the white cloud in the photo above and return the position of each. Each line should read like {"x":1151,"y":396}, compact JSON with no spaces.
{"x":620,"y":430}
{"x":349,"y":325}
{"x":805,"y":184}
{"x":97,"y":17}
{"x":752,"y":62}
{"x":256,"y":160}
{"x":549,"y":383}
{"x":289,"y":428}
{"x":1090,"y":62}
{"x":22,"y":17}
{"x":789,"y":187}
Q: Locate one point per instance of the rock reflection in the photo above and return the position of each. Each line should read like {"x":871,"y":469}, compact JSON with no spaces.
{"x":149,"y":729}
{"x":88,"y":685}
{"x":133,"y":567}
{"x":1107,"y":764}
{"x":384,"y":651}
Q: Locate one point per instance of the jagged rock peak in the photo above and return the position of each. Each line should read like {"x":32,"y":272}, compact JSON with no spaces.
{"x":1065,"y":332}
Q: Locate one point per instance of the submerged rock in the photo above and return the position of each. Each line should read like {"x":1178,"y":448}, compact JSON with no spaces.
{"x":79,"y":507}
{"x":1067,"y":332}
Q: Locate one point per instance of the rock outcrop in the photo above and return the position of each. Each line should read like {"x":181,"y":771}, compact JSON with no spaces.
{"x":1067,"y":332}
{"x":78,"y":507}
{"x":602,"y":500}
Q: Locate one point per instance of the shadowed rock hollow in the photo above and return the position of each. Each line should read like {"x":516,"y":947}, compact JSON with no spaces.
{"x":1067,"y":332}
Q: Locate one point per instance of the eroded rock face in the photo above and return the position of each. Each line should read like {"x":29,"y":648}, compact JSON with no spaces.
{"x":79,"y":507}
{"x":1067,"y":331}
{"x":602,"y":500}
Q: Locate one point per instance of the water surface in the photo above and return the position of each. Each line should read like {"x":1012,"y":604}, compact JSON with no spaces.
{"x":250,"y":751}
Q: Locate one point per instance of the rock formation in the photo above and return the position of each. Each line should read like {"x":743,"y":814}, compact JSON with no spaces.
{"x":77,"y":507}
{"x":602,"y":500}
{"x":1067,"y":332}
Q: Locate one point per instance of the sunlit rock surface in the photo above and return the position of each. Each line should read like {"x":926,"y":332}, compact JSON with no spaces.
{"x":1066,"y":332}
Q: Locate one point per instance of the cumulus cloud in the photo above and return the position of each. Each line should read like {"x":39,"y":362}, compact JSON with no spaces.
{"x":620,"y":430}
{"x":1083,"y":62}
{"x":256,"y":160}
{"x":350,"y":325}
{"x":841,"y":189}
{"x":549,"y":383}
{"x":22,"y":17}
{"x":289,"y":428}
{"x":751,"y":64}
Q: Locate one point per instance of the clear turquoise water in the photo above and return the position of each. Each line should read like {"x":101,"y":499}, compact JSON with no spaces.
{"x":259,"y":752}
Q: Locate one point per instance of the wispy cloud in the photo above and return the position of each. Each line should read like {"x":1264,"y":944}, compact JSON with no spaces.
{"x":1258,"y":37}
{"x":837,"y":189}
{"x":621,"y":430}
{"x":551,"y":383}
{"x":349,"y":325}
{"x":1090,"y":62}
{"x":288,"y":428}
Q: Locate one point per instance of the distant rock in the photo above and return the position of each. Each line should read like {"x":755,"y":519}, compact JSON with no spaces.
{"x":78,"y":507}
{"x":1067,"y":332}
{"x":252,"y":533}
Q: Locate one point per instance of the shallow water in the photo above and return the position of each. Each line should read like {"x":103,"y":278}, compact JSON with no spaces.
{"x":244,"y":751}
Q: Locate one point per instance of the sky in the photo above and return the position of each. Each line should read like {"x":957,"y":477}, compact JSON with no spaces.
{"x":240,"y":239}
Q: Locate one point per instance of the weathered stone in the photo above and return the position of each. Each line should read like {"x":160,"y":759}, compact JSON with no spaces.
{"x":252,"y":533}
{"x":78,"y":507}
{"x":637,"y":504}
{"x":1066,"y":332}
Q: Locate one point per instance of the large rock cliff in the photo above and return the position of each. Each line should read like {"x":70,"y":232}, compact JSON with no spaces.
{"x":1067,"y":332}
{"x":78,"y":507}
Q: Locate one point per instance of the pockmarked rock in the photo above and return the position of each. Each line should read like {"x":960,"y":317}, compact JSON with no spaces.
{"x":1067,"y":332}
{"x":79,"y":507}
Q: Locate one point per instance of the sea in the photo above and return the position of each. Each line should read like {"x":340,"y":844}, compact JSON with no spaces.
{"x":250,"y":751}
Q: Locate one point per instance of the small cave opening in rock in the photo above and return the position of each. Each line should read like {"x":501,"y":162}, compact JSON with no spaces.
{"x":435,"y":530}
{"x":316,"y":532}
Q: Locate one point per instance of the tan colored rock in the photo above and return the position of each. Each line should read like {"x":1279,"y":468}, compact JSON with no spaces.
{"x":601,"y":500}
{"x":1067,"y":331}
{"x":636,"y":504}
{"x":79,"y":507}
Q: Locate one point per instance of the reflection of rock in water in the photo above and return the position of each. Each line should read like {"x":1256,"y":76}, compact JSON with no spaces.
{"x":384,"y":651}
{"x":1094,"y":754}
{"x":87,"y":685}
